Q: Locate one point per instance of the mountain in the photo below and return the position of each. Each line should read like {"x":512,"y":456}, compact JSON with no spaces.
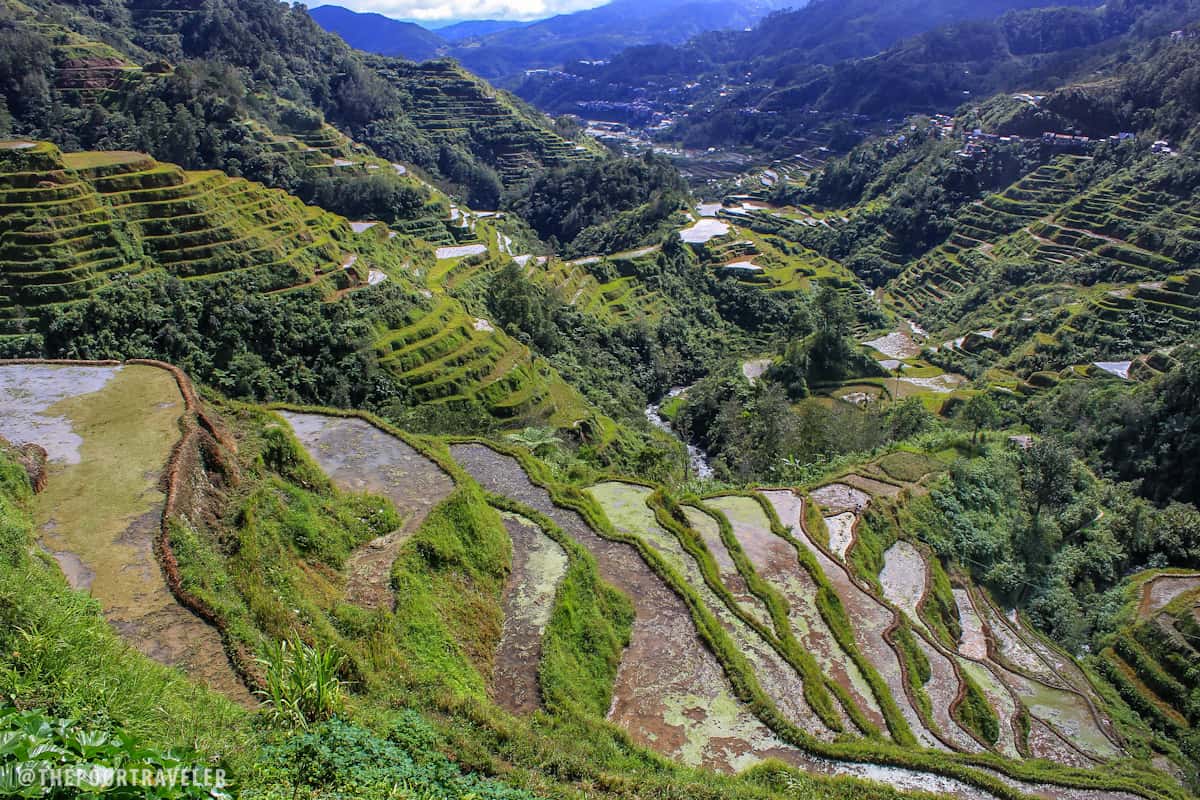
{"x":754,"y":89}
{"x":376,"y":33}
{"x":474,"y":28}
{"x":301,"y":124}
{"x":599,"y":33}
{"x":504,"y":53}
{"x":337,"y":456}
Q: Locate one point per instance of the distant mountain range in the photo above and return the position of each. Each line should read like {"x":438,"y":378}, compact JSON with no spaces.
{"x":376,"y":33}
{"x":458,"y":31}
{"x":846,"y":57}
{"x":502,"y":51}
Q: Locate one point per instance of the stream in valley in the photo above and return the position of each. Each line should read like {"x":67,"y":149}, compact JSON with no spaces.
{"x":698,"y":461}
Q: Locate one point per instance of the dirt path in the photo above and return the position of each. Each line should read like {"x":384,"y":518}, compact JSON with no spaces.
{"x":109,"y":432}
{"x":538,"y":566}
{"x":359,"y":457}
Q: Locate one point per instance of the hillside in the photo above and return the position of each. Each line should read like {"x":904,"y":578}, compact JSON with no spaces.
{"x":366,"y":433}
{"x":711,"y":580}
{"x":376,"y":33}
{"x":475,"y":27}
{"x":770,"y":88}
{"x":127,"y":94}
{"x":502,"y":53}
{"x":92,"y":236}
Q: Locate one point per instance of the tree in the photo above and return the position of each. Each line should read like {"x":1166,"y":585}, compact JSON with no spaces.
{"x":1047,"y":475}
{"x":908,"y":418}
{"x":980,"y":412}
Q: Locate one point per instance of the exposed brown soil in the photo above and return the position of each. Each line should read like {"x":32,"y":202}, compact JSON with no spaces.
{"x":538,"y":564}
{"x":1160,"y":591}
{"x":114,"y":559}
{"x":359,"y":457}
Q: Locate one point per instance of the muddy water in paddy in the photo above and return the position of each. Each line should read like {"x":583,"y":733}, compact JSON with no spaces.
{"x":973,"y":642}
{"x":840,"y":528}
{"x":670,"y":692}
{"x":870,"y":618}
{"x":776,"y":562}
{"x":538,"y":565}
{"x":109,"y":432}
{"x":1067,"y":714}
{"x":710,"y":532}
{"x":625,"y":506}
{"x":1001,"y":702}
{"x":687,"y":712}
{"x":838,"y":498}
{"x":903,"y":579}
{"x":974,"y":661}
{"x":359,"y":457}
{"x":904,"y":582}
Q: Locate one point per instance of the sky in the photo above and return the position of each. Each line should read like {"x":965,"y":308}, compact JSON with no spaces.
{"x":427,"y":11}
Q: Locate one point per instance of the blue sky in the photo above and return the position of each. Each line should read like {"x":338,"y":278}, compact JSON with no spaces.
{"x":436,"y":11}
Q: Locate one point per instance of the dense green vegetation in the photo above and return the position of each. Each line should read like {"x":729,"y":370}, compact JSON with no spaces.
{"x":603,"y":207}
{"x":1147,"y":435}
{"x":968,"y":371}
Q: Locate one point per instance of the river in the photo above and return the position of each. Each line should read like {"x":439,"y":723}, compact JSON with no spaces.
{"x":697,"y":458}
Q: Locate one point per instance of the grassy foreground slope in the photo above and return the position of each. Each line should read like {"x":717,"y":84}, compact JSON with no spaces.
{"x":259,"y":539}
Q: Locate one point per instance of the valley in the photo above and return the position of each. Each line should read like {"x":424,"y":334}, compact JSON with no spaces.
{"x":800,"y":404}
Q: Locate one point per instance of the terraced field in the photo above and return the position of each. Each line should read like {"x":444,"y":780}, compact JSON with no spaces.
{"x":458,"y":108}
{"x":109,"y":433}
{"x":736,"y":567}
{"x":752,"y":638}
{"x":74,"y":224}
{"x":1151,"y":660}
{"x":741,"y":240}
{"x":670,"y":693}
{"x":539,"y":565}
{"x":1103,"y":257}
{"x":361,"y":458}
{"x":443,"y":355}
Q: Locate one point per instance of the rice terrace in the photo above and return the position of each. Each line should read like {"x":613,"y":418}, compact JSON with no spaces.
{"x":653,"y":401}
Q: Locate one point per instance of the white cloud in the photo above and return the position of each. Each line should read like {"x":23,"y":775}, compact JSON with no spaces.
{"x":438,"y":10}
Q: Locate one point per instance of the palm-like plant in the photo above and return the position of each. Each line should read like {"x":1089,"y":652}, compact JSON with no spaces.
{"x":537,"y":440}
{"x":302,"y":684}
